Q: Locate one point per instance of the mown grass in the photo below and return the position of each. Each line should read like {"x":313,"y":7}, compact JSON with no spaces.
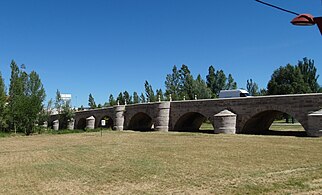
{"x":160,"y":163}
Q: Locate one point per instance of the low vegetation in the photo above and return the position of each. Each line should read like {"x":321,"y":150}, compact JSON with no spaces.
{"x":160,"y":163}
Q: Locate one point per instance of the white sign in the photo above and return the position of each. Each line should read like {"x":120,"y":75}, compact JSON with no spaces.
{"x":103,"y":123}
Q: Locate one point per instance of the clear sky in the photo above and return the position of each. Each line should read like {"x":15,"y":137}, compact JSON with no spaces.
{"x":107,"y":46}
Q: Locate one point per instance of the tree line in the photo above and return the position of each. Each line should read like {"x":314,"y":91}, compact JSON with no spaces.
{"x":22,"y":106}
{"x":181,"y":85}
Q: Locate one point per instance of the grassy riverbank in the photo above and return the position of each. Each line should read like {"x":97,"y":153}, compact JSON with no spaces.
{"x":159,"y":163}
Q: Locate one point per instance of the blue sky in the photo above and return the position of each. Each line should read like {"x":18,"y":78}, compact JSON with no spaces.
{"x":107,"y":46}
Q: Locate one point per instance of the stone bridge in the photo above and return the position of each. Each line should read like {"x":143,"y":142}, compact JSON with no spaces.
{"x":230,"y":115}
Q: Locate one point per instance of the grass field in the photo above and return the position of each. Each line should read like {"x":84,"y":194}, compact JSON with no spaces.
{"x":160,"y":163}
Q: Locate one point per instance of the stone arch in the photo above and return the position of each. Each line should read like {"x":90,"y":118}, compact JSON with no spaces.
{"x":109,"y":122}
{"x":260,"y":122}
{"x":140,"y":121}
{"x":81,"y":123}
{"x":190,"y":121}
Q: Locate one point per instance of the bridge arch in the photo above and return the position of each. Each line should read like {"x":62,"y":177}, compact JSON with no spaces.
{"x":109,"y":122}
{"x":260,"y":122}
{"x":140,"y":121}
{"x":81,"y":123}
{"x":190,"y":122}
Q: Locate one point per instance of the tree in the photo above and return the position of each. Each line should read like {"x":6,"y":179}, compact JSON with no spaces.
{"x":58,"y":101}
{"x":3,"y":101}
{"x":159,"y":94}
{"x":67,"y":113}
{"x":287,"y":80}
{"x":142,"y":98}
{"x":111,"y":100}
{"x":149,"y":92}
{"x":231,"y":84}
{"x":220,"y":81}
{"x":211,"y":79}
{"x":308,"y":70}
{"x":186,"y":83}
{"x":127,"y":97}
{"x":217,"y":81}
{"x":200,"y":89}
{"x":136,"y":98}
{"x":172,"y":84}
{"x":120,"y":99}
{"x":91,"y":101}
{"x":26,"y":97}
{"x":252,"y":88}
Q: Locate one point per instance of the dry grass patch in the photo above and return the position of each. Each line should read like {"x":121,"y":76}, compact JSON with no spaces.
{"x":159,"y":163}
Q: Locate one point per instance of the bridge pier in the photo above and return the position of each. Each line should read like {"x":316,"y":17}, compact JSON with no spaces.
{"x":56,"y":125}
{"x":315,"y":124}
{"x":90,"y":122}
{"x":70,"y":124}
{"x":163,"y":117}
{"x":119,"y":117}
{"x":225,"y":122}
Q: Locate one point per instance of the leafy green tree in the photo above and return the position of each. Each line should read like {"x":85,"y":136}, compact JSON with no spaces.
{"x":211,"y":79}
{"x":26,"y":97}
{"x":91,"y":101}
{"x":252,"y":88}
{"x":136,"y":98}
{"x":159,"y":93}
{"x":200,"y":88}
{"x":120,"y":99}
{"x":67,"y":113}
{"x":3,"y":101}
{"x":220,"y":81}
{"x":127,"y":97}
{"x":231,"y":84}
{"x":172,"y":84}
{"x":149,"y":92}
{"x":111,"y":100}
{"x":58,"y":101}
{"x":287,"y":80}
{"x":217,"y":80}
{"x":309,"y":72}
{"x":186,"y":83}
{"x":142,"y":98}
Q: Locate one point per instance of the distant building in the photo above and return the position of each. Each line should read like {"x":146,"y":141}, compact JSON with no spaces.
{"x":66,"y":97}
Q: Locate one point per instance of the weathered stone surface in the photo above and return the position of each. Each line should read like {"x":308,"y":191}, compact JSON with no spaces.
{"x":225,"y":122}
{"x":71,"y":124}
{"x":163,"y":116}
{"x":252,"y":113}
{"x":119,"y":117}
{"x":56,"y":125}
{"x":90,"y":122}
{"x":315,"y":124}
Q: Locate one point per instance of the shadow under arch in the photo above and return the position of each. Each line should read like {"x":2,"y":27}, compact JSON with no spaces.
{"x":141,"y":122}
{"x":81,"y":123}
{"x":261,"y":122}
{"x":193,"y":122}
{"x":109,"y":123}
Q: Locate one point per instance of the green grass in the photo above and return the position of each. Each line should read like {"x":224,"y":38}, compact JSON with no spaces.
{"x":160,"y":163}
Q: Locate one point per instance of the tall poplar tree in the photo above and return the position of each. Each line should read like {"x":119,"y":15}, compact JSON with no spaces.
{"x":91,"y":101}
{"x":3,"y":100}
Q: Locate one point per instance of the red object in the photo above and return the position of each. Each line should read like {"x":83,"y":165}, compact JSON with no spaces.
{"x":303,"y":20}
